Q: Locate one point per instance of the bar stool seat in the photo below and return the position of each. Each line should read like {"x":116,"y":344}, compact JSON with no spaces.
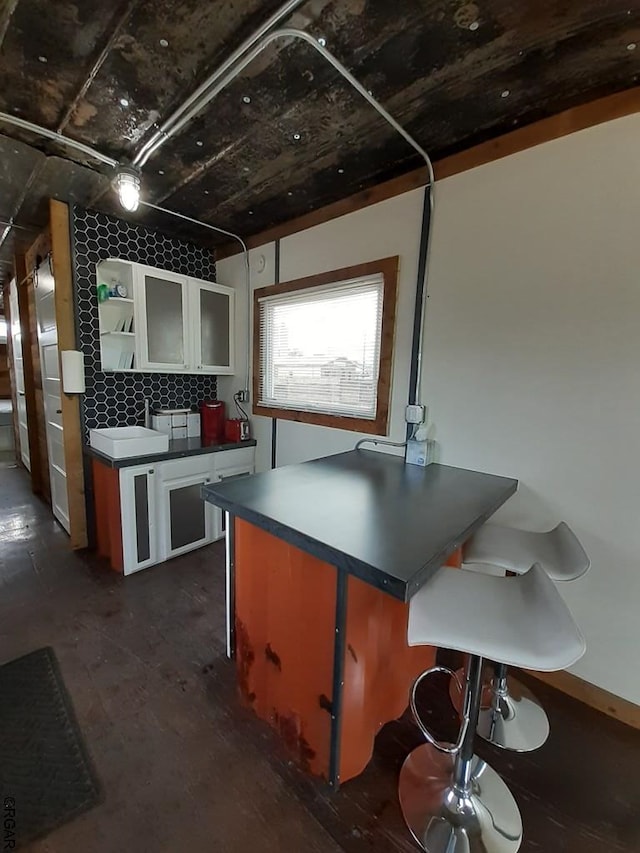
{"x":513,"y":718}
{"x":451,"y":800}
{"x":558,"y":551}
{"x":520,"y":621}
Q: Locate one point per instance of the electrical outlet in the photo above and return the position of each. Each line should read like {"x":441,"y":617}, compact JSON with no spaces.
{"x":243,"y":396}
{"x":414,"y":414}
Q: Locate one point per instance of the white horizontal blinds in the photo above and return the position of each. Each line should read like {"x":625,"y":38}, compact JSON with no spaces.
{"x":320,"y":348}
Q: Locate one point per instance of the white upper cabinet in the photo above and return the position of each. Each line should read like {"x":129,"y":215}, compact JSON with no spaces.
{"x":213,"y":316}
{"x":162,"y":319}
{"x":166,"y":322}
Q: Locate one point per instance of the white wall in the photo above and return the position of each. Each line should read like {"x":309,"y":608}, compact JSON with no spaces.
{"x":232,"y":271}
{"x":379,"y":231}
{"x":533,"y":359}
{"x":532,"y":351}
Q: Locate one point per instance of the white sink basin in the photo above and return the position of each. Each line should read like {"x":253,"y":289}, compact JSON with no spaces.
{"x":124,"y":442}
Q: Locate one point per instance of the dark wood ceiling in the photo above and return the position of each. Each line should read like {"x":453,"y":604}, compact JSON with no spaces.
{"x":104,"y":72}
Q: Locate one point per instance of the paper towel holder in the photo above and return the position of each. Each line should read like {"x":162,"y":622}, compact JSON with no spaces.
{"x":72,"y":362}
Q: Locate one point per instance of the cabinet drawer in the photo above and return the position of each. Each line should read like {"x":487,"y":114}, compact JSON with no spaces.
{"x":188,"y":466}
{"x":243,"y":456}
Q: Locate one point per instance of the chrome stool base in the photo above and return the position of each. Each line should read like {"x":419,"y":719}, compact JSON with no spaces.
{"x":515,"y":720}
{"x":511,"y":719}
{"x":486,"y":820}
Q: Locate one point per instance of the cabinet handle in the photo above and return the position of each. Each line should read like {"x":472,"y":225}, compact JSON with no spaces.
{"x":152,"y":470}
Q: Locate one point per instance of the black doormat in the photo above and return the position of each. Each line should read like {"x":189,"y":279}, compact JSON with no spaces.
{"x":46,"y":776}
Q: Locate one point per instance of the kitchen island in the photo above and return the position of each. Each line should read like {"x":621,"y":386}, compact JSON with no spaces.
{"x":322,"y":559}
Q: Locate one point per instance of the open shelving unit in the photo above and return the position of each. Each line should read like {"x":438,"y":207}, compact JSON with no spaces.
{"x":116,"y":316}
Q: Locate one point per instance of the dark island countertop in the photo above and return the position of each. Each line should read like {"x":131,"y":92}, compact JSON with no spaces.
{"x":178,"y":448}
{"x":391,"y":525}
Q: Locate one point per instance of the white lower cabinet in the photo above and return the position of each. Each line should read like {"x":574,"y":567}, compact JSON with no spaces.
{"x":185,"y":520}
{"x":163,"y":513}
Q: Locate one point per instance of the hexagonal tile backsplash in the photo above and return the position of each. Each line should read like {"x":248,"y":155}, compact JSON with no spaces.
{"x":117,"y":399}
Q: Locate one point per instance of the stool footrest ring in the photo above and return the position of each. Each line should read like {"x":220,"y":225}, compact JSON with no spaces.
{"x":448,"y":749}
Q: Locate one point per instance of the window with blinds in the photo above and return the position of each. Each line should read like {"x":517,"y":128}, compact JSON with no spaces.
{"x":323,"y":347}
{"x":320,"y":348}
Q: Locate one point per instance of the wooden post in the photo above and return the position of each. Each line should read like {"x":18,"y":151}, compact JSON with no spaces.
{"x":65,"y":321}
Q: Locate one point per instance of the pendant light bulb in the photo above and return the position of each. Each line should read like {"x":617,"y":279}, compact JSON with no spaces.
{"x":127,"y":185}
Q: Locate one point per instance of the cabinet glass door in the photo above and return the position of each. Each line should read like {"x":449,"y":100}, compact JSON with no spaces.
{"x":163,"y":309}
{"x":188,"y":519}
{"x":141,"y":505}
{"x":214,"y":327}
{"x":188,"y":523}
{"x":137,"y":510}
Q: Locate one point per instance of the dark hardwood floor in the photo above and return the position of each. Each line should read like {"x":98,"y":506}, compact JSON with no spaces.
{"x":184,"y":768}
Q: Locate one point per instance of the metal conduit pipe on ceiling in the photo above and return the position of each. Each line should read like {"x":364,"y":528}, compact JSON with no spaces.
{"x":31,"y":228}
{"x":235,"y":65}
{"x":65,"y":141}
{"x":230,"y":69}
{"x":59,"y":138}
{"x":252,"y":54}
{"x":166,"y":129}
{"x":103,"y":158}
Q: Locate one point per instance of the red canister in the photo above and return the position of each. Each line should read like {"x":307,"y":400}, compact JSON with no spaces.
{"x":233,"y":430}
{"x":212,"y":417}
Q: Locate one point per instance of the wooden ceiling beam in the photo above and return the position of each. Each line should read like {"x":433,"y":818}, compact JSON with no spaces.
{"x":564,"y":123}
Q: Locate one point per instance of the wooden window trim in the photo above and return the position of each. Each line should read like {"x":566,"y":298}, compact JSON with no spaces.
{"x":389,"y":269}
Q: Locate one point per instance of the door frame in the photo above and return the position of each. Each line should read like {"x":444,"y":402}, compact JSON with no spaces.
{"x":49,"y":338}
{"x":56,"y":238}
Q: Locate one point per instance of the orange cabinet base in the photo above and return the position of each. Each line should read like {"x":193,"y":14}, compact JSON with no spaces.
{"x":322,"y":657}
{"x":106,"y":490}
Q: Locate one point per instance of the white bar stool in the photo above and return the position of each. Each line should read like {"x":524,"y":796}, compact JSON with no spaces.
{"x":514,"y":718}
{"x":558,"y":551}
{"x":452,"y":801}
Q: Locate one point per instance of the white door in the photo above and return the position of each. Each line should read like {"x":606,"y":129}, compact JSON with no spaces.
{"x":51,"y":389}
{"x":18,"y":369}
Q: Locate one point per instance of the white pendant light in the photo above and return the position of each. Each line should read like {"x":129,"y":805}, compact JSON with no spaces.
{"x":127,"y":185}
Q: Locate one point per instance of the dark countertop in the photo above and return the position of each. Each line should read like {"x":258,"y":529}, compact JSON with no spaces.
{"x":389,"y":524}
{"x":178,"y":448}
